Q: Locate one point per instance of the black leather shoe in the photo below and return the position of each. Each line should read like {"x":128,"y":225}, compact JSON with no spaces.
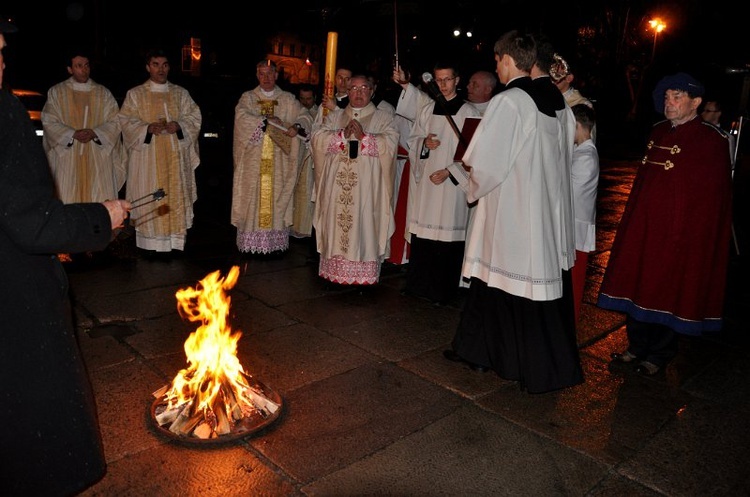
{"x":451,"y":355}
{"x":479,"y":368}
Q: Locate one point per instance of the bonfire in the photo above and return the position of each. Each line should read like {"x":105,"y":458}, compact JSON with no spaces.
{"x":213,"y":396}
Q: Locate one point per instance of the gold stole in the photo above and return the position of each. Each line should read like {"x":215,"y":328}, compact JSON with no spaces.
{"x":265,"y":199}
{"x":75,"y":113}
{"x":170,"y":213}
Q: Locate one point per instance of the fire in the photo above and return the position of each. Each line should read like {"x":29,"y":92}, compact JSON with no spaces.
{"x":213,"y":392}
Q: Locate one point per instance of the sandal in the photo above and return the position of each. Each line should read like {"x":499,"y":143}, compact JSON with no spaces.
{"x":626,"y":356}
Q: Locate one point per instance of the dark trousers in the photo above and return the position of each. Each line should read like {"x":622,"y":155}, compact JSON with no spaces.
{"x":651,"y":342}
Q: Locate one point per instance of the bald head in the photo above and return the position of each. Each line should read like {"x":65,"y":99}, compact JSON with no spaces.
{"x":481,"y":87}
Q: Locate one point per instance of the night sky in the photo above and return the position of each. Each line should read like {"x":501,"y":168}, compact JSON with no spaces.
{"x":703,"y":37}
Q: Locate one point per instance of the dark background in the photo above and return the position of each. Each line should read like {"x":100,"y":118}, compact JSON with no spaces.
{"x":607,"y":43}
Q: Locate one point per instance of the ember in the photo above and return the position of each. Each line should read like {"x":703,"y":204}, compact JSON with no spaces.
{"x":213,"y":397}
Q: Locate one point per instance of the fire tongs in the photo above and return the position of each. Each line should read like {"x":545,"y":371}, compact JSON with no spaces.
{"x":147,"y":199}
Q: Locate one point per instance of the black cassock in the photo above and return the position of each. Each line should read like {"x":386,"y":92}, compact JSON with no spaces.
{"x":50,"y":442}
{"x":532,"y":342}
{"x":434,"y":270}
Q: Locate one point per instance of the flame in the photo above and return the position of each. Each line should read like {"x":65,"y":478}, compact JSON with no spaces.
{"x":214,"y":378}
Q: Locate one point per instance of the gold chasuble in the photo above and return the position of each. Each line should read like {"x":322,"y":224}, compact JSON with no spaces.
{"x":165,"y":161}
{"x":265,"y":169}
{"x":93,"y":171}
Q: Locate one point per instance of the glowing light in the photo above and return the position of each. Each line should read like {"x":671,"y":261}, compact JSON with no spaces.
{"x":213,"y":392}
{"x":657,"y":25}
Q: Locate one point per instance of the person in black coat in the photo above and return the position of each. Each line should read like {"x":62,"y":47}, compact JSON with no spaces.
{"x":50,"y":443}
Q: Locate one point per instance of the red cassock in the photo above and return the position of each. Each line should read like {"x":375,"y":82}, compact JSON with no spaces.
{"x":669,"y":259}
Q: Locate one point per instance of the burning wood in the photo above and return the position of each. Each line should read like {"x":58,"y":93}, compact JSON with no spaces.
{"x":213,"y":394}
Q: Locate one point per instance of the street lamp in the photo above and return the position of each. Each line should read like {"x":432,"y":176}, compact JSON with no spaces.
{"x":658,"y":26}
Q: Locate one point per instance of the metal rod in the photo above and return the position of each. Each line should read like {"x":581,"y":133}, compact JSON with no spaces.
{"x":155,"y":196}
{"x":395,"y":29}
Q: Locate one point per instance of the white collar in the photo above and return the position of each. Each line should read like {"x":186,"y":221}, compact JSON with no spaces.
{"x":81,"y":86}
{"x":159,"y":87}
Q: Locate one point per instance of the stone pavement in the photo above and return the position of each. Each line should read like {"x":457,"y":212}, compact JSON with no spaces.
{"x":371,"y":407}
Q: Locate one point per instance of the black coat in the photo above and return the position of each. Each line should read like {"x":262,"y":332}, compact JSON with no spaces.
{"x":50,"y":442}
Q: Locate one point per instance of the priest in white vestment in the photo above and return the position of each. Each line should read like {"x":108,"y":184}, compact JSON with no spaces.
{"x":266,"y":162}
{"x":82,"y":137}
{"x":354,"y":151}
{"x":160,"y":125}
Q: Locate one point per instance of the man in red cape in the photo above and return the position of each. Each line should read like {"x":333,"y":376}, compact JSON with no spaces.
{"x":668,"y":265}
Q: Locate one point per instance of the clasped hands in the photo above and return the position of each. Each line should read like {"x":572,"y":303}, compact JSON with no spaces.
{"x":163,"y":127}
{"x":354,"y":129}
{"x":84,"y":135}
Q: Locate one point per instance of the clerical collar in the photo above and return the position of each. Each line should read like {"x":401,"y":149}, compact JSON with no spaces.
{"x":82,"y":86}
{"x":159,"y":87}
{"x":450,"y":108}
{"x":357,"y":109}
{"x":268,"y":93}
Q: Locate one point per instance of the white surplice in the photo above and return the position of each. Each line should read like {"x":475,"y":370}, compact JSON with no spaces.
{"x":521,"y":234}
{"x":585,"y":184}
{"x":436,"y":212}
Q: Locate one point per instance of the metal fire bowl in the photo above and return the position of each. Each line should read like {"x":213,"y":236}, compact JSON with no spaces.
{"x":245,"y":427}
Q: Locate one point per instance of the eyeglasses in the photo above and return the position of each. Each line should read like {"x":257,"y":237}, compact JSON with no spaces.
{"x":440,"y":81}
{"x":359,"y":88}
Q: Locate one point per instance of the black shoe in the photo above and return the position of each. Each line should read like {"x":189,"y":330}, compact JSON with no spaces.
{"x":451,"y":355}
{"x":330,"y":286}
{"x":479,"y":368}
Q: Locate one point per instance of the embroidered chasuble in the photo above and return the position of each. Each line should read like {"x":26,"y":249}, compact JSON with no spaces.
{"x":265,"y":170}
{"x":353,"y":215}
